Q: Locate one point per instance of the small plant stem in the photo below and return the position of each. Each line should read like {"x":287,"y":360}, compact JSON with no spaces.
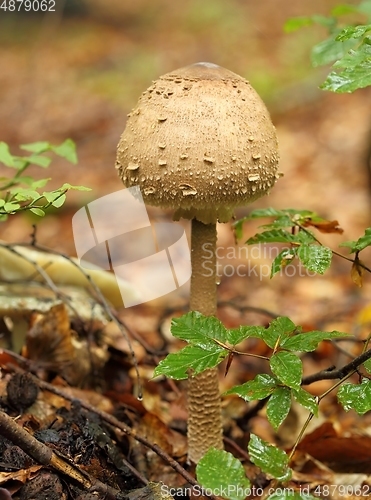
{"x":204,"y":407}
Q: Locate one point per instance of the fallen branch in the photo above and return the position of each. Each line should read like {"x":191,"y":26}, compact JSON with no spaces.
{"x":45,"y":456}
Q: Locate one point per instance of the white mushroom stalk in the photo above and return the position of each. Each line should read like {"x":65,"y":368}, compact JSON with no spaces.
{"x":200,"y":141}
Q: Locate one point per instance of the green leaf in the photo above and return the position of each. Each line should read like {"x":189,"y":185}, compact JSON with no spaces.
{"x":362,"y":242}
{"x":37,"y":147}
{"x":261,"y":387}
{"x":288,"y":368}
{"x":282,"y":260}
{"x":41,"y":161}
{"x":330,"y":50}
{"x":67,"y":187}
{"x":278,"y":330}
{"x":350,"y":79}
{"x":353,"y":32}
{"x":269,"y":458}
{"x":24,"y":194}
{"x":296,"y":23}
{"x":272,"y":236}
{"x":190,"y":361}
{"x":307,"y":342}
{"x":355,"y":57}
{"x":237,"y":335}
{"x":367,"y":365}
{"x":37,"y":211}
{"x":340,"y":10}
{"x":306,"y":400}
{"x":220,"y":472}
{"x":5,"y":156}
{"x":197,"y":329}
{"x":39,"y":183}
{"x":67,"y":150}
{"x":58,"y":202}
{"x":266,"y":212}
{"x":356,"y":397}
{"x":11,"y":207}
{"x":50,"y":196}
{"x":278,"y":406}
{"x":315,"y":258}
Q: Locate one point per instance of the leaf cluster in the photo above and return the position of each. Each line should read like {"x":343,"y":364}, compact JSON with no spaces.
{"x":347,"y":48}
{"x":293,"y":228}
{"x":20,"y":192}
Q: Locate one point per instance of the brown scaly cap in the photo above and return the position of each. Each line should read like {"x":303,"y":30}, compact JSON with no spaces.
{"x":201,"y":141}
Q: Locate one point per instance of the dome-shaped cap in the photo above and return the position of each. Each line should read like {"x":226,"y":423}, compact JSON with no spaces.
{"x":201,"y":141}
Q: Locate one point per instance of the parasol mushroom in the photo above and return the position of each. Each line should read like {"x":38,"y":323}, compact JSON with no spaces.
{"x":200,"y":141}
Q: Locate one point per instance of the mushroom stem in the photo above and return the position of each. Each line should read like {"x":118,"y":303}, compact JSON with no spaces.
{"x":204,"y":408}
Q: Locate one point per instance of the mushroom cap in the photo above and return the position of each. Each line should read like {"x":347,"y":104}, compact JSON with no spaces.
{"x":200,"y":140}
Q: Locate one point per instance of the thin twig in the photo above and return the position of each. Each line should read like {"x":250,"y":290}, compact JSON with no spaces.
{"x":340,"y":373}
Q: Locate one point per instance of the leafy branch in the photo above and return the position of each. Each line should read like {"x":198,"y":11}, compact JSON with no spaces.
{"x":348,"y":46}
{"x":290,"y":227}
{"x":20,"y":192}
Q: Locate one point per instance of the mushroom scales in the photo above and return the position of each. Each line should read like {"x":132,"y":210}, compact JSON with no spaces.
{"x":200,"y":141}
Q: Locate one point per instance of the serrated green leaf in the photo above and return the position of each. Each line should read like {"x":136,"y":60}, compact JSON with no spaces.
{"x":37,"y":147}
{"x":330,"y":50}
{"x":278,"y":330}
{"x":355,"y":57}
{"x":315,"y":258}
{"x":281,"y":222}
{"x":288,"y":368}
{"x":306,"y":400}
{"x":356,"y":397}
{"x":5,"y":156}
{"x":272,"y":236}
{"x":37,"y":211}
{"x":237,"y":335}
{"x":220,"y":472}
{"x":269,"y":458}
{"x":278,"y":406}
{"x":350,"y":79}
{"x":67,"y":150}
{"x":362,"y":242}
{"x":198,"y":329}
{"x":353,"y":32}
{"x":191,"y":360}
{"x":2,"y":202}
{"x":261,"y":387}
{"x":307,"y":342}
{"x":282,"y":260}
